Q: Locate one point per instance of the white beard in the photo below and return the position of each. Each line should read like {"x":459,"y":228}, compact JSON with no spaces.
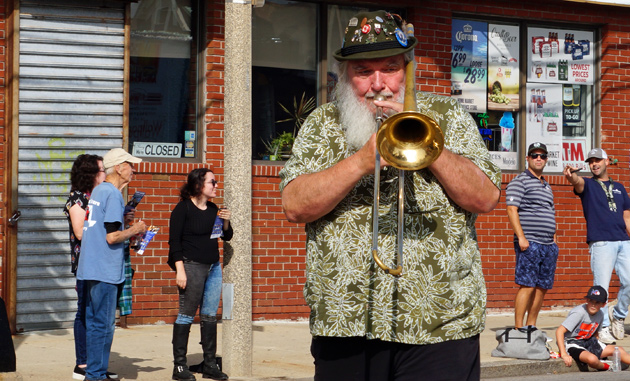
{"x":356,"y":117}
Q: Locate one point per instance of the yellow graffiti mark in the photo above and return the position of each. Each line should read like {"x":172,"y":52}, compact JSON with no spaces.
{"x":47,"y":174}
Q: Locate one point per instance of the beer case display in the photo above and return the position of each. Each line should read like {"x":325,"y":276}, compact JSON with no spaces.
{"x":555,"y":60}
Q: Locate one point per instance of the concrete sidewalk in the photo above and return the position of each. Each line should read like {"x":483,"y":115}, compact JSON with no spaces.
{"x":281,"y":352}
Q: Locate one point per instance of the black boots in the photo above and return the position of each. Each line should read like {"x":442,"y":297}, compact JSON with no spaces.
{"x":209,"y":366}
{"x":209,"y":345}
{"x":180,"y":347}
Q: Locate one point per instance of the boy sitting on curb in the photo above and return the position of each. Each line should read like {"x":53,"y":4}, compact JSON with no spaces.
{"x":577,"y":336}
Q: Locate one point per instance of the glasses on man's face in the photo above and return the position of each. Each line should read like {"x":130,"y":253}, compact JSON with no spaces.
{"x":538,"y":155}
{"x":214,"y":182}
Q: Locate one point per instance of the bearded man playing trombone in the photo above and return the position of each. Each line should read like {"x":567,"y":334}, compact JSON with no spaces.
{"x":368,"y":324}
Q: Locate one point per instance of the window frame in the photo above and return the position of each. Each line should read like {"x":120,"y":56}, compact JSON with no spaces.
{"x":595,"y":105}
{"x":321,"y":94}
{"x":200,"y":84}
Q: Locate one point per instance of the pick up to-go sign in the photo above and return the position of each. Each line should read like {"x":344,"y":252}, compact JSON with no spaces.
{"x":153,"y":149}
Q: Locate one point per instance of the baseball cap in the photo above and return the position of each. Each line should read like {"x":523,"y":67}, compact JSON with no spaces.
{"x":118,"y":156}
{"x":597,"y":293}
{"x":378,"y":34}
{"x":596,"y":153}
{"x":535,"y":146}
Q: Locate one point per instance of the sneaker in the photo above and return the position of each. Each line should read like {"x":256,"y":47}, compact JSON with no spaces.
{"x":617,"y":328}
{"x":605,"y":336}
{"x":610,"y":366}
{"x":79,"y":374}
{"x":616,"y":325}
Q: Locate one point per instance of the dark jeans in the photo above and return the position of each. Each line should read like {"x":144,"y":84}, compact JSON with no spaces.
{"x":79,"y":324}
{"x":203,"y":290}
{"x":359,"y":359}
{"x":100,"y":319}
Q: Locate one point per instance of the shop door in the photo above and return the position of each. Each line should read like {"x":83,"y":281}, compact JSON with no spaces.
{"x":71,"y":64}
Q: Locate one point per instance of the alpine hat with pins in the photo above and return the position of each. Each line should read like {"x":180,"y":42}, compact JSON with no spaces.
{"x":372,"y":35}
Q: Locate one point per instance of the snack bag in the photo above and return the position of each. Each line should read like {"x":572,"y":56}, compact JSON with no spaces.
{"x":148,"y":236}
{"x":217,"y":228}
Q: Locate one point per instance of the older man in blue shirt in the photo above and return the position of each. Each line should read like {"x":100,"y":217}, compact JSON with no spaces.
{"x":102,"y":264}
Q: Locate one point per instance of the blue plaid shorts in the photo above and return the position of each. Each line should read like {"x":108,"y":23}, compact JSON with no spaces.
{"x":536,"y":266}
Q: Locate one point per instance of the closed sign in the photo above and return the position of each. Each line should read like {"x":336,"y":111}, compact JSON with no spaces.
{"x":151,"y":149}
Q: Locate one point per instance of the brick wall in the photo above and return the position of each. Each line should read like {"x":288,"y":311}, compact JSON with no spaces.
{"x":278,"y":254}
{"x":278,"y":246}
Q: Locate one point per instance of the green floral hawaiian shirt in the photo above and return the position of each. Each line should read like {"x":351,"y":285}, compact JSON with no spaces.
{"x":441,"y":293}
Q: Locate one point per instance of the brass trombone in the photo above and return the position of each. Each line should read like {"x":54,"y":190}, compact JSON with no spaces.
{"x":410,"y":141}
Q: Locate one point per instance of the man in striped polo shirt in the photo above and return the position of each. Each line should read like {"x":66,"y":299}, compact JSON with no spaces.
{"x":531,"y":213}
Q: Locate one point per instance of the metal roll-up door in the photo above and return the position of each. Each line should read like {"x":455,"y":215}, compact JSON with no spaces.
{"x":71,"y":65}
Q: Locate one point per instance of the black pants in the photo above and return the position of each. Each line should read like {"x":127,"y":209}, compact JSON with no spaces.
{"x":7,"y":351}
{"x":359,"y":359}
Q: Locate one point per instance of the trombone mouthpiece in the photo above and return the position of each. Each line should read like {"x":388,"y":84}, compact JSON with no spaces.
{"x":380,"y":97}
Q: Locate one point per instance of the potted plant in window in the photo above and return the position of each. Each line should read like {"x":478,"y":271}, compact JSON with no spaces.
{"x":299,"y":113}
{"x":279,"y":148}
{"x":301,"y":109}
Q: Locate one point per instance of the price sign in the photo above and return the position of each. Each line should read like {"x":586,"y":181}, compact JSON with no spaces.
{"x":469,"y":64}
{"x":474,"y":75}
{"x":458,"y":59}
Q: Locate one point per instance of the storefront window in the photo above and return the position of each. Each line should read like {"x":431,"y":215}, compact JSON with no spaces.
{"x":557,"y":102}
{"x":560,"y":79}
{"x":284,"y":55}
{"x":286,"y":61}
{"x":162,"y":85}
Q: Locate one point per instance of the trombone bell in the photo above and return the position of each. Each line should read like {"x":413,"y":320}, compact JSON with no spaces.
{"x":409,"y":140}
